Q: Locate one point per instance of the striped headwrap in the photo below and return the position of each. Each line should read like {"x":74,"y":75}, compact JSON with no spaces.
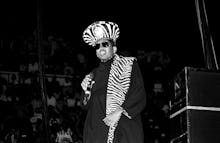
{"x":100,"y":30}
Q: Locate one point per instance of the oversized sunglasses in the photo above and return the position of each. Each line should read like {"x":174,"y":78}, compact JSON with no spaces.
{"x":102,"y":44}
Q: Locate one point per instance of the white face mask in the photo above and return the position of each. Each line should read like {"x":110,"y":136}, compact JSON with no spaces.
{"x":104,"y":50}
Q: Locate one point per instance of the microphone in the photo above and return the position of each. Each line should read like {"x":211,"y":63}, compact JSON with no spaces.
{"x":89,"y":87}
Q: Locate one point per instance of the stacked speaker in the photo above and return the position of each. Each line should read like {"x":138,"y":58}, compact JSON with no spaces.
{"x":195,"y":106}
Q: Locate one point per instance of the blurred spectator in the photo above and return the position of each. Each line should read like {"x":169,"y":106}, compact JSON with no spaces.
{"x":51,"y":100}
{"x":53,"y":85}
{"x":33,"y":67}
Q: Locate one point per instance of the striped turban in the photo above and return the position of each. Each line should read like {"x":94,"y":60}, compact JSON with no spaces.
{"x":100,"y":30}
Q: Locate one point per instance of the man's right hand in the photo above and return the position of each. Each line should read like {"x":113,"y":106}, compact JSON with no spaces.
{"x":86,"y":81}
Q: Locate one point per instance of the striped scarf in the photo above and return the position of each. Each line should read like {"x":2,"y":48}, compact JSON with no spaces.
{"x":118,"y":85}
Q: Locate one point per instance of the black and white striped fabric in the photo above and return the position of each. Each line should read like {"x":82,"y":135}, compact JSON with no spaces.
{"x":99,"y":30}
{"x":118,"y":85}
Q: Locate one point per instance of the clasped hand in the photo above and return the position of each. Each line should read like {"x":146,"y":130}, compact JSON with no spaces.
{"x":112,"y":118}
{"x":85,"y":82}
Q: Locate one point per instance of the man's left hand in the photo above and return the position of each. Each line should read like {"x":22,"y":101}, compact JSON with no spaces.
{"x":112,"y":118}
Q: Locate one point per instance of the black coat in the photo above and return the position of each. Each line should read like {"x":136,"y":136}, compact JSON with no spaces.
{"x":128,"y":130}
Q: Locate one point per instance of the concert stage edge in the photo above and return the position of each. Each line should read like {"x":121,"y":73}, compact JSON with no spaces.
{"x":195,"y":106}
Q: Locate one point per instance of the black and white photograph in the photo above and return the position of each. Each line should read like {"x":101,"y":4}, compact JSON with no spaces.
{"x":109,"y":71}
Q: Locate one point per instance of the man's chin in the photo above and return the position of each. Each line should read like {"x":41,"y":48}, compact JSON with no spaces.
{"x":103,"y":59}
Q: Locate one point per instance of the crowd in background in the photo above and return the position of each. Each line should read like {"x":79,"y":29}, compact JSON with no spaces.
{"x":21,"y":111}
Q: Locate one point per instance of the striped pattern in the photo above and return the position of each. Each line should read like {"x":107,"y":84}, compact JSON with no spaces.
{"x":118,"y":85}
{"x":99,"y":30}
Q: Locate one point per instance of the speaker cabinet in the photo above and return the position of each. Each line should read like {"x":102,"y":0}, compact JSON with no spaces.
{"x":195,"y":106}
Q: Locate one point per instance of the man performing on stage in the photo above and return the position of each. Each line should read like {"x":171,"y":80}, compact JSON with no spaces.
{"x":117,"y":95}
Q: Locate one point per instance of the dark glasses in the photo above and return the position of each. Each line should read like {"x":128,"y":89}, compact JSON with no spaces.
{"x":103,"y":44}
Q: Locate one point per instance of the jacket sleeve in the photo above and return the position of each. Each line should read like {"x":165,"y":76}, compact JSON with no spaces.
{"x":135,"y":100}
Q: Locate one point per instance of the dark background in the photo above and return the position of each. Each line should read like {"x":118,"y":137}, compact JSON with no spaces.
{"x":170,"y":26}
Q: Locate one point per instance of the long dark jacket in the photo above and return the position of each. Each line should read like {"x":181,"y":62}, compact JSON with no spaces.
{"x":128,"y":130}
